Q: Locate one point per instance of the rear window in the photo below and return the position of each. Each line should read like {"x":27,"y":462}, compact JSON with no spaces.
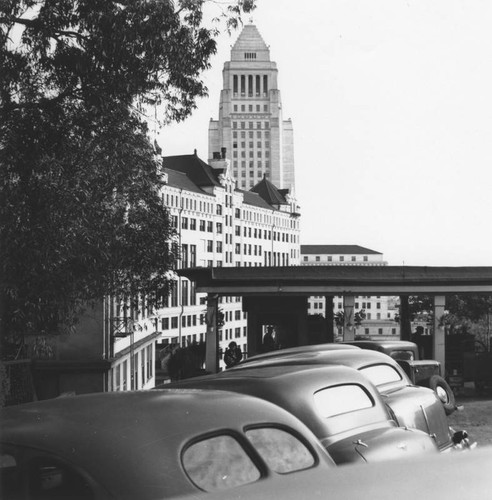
{"x":341,"y":399}
{"x":381,"y":374}
{"x":219,"y":463}
{"x":282,"y":452}
{"x":403,"y":355}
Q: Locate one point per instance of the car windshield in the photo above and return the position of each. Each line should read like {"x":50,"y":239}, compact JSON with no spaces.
{"x":341,"y":399}
{"x":381,"y":374}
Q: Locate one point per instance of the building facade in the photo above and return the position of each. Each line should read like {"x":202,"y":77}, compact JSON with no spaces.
{"x":220,"y":225}
{"x":380,"y":311}
{"x":251,"y":125}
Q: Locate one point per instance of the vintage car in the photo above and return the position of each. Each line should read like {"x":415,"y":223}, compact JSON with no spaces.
{"x":424,"y":372}
{"x":451,"y":476}
{"x":410,"y":405}
{"x":338,"y":403}
{"x":150,"y":445}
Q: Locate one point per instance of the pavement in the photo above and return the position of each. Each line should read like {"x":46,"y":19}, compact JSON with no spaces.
{"x":476,"y":415}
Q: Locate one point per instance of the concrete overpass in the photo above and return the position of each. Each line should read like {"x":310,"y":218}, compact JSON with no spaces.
{"x":279,"y":294}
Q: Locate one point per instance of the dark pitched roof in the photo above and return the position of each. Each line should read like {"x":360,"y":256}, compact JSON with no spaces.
{"x":336,"y":250}
{"x":197,"y":170}
{"x":181,"y":181}
{"x":269,"y":192}
{"x":255,"y":199}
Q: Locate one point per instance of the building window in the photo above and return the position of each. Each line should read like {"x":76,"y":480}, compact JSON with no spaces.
{"x":318,"y":258}
{"x":210,"y":226}
{"x":352,"y":258}
{"x":342,"y":258}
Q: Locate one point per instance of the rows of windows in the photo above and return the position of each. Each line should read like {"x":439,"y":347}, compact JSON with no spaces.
{"x":251,"y":108}
{"x":330,"y":258}
{"x":134,"y":372}
{"x":175,"y":201}
{"x":250,"y":125}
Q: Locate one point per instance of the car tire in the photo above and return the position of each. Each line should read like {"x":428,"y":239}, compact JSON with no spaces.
{"x":444,"y":393}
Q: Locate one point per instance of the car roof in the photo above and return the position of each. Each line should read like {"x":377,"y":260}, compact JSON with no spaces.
{"x":109,"y":434}
{"x":355,"y":358}
{"x":292,"y":387}
{"x":299,"y":349}
{"x":385,"y":344}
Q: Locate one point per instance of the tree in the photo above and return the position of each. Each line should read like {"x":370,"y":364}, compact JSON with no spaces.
{"x":80,"y":211}
{"x":359,"y":317}
{"x":464,"y":313}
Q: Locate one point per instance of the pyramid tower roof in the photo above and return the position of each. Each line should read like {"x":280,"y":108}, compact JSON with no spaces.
{"x":250,"y":40}
{"x":269,"y":192}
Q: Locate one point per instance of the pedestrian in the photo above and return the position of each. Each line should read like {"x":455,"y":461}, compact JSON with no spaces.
{"x":233,"y":355}
{"x":417,"y":337}
{"x":269,"y":343}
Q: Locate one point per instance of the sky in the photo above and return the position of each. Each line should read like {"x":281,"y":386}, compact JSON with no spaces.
{"x":391,"y":104}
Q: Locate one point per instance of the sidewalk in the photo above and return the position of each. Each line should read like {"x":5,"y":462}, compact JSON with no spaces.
{"x":476,"y":416}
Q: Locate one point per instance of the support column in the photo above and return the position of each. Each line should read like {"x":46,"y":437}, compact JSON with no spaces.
{"x":405,"y":322}
{"x":439,"y":338}
{"x":254,"y":333}
{"x":211,"y":337}
{"x":329,"y":333}
{"x":348,"y":318}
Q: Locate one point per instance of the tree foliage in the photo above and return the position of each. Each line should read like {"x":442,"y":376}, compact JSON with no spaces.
{"x":80,"y":213}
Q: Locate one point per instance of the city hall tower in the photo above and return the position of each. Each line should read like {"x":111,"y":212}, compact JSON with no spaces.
{"x":258,"y":141}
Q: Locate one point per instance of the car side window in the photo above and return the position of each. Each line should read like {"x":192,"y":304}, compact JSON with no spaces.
{"x":218,"y":463}
{"x":282,"y":452}
{"x":381,"y":374}
{"x":340,"y":399}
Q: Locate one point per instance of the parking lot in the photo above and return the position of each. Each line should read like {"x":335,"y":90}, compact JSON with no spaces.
{"x":475,"y":416}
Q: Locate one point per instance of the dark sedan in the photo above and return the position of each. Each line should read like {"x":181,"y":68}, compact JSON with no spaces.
{"x":412,"y":406}
{"x":150,"y":445}
{"x":338,"y":403}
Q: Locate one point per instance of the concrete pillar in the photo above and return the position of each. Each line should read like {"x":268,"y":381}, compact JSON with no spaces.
{"x":329,"y":333}
{"x":212,"y":338}
{"x":405,"y":322}
{"x":348,"y":318}
{"x":439,"y":338}
{"x":254,"y":333}
{"x":302,"y":329}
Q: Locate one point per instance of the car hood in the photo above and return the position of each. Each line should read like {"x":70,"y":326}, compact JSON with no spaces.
{"x":380,"y":444}
{"x":419,"y":408}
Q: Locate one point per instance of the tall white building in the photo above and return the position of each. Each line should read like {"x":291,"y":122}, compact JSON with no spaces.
{"x":251,"y":125}
{"x":220,"y":225}
{"x":380,"y":310}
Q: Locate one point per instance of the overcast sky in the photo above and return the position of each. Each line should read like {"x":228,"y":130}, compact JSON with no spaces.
{"x":391,"y":103}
